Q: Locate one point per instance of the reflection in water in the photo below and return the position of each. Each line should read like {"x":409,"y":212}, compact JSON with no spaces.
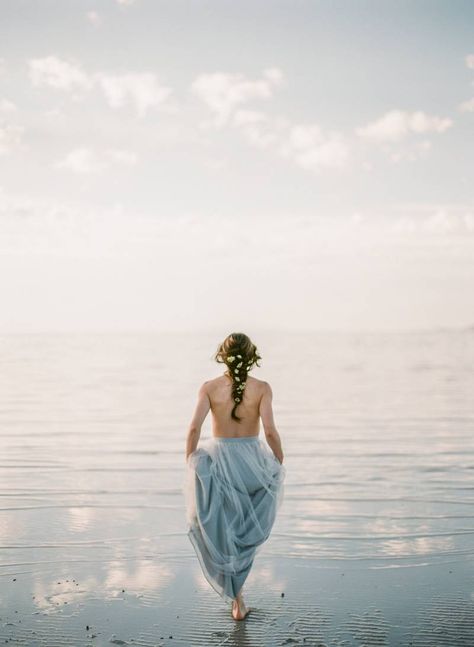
{"x":81,"y":519}
{"x":377,"y":432}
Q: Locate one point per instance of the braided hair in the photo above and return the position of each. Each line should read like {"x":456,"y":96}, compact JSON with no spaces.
{"x":239,"y":354}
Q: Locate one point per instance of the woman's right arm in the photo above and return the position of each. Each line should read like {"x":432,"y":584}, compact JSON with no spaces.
{"x":266,"y":414}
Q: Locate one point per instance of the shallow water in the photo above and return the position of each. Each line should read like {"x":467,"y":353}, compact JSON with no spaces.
{"x":374,"y":541}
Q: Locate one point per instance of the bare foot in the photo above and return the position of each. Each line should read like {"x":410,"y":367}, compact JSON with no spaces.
{"x":239,"y":610}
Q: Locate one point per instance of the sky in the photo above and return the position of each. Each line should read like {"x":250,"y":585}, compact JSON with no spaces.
{"x":224,"y":166}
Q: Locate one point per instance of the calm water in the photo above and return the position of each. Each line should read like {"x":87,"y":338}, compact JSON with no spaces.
{"x":375,"y":540}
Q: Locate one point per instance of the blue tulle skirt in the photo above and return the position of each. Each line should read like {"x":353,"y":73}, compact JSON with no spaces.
{"x":233,"y":491}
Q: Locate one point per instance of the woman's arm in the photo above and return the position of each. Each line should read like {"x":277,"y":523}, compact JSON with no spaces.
{"x":266,"y":414}
{"x":202,"y":408}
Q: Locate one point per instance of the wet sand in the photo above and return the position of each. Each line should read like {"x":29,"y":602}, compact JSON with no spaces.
{"x":346,"y":605}
{"x":373,"y":545}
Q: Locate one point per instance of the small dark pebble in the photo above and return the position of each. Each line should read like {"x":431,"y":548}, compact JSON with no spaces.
{"x":282,"y":595}
{"x":123,"y":590}
{"x":171,"y":636}
{"x":87,"y":627}
{"x":14,"y":579}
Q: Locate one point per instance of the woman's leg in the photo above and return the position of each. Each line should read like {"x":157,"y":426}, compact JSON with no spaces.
{"x":239,"y":610}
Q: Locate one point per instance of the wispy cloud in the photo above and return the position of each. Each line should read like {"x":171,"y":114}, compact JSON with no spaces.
{"x":89,"y":161}
{"x":396,"y":125}
{"x":94,"y":18}
{"x":224,"y":92}
{"x":309,"y":145}
{"x":306,"y":145}
{"x":10,"y":137}
{"x":142,"y":89}
{"x":59,"y":74}
{"x":468,"y":106}
{"x":303,"y":268}
{"x":470,"y":61}
{"x":7,"y":106}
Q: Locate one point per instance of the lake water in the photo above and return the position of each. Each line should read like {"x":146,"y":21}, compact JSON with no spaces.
{"x":374,"y":543}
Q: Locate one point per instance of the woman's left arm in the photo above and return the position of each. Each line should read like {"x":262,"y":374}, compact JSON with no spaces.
{"x":202,"y":408}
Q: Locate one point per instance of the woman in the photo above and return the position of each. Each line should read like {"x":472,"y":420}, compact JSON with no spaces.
{"x":235,"y":482}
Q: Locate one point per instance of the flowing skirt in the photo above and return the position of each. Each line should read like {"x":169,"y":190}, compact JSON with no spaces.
{"x":233,"y":491}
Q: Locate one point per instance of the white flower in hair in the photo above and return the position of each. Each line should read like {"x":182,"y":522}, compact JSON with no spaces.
{"x":237,"y":378}
{"x":237,"y":399}
{"x":230,"y":358}
{"x":239,"y":364}
{"x":239,"y":356}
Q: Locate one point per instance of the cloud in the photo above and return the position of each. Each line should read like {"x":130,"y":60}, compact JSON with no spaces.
{"x":143,"y":90}
{"x":94,"y":259}
{"x":260,"y":129}
{"x":470,"y":61}
{"x":443,"y":222}
{"x":223,"y":92}
{"x":59,"y":74}
{"x":312,"y":148}
{"x":94,"y":18}
{"x":10,"y":137}
{"x":307,"y":145}
{"x":88,"y":161}
{"x":395,"y":125}
{"x":7,"y":106}
{"x":418,"y":150}
{"x":467,"y":106}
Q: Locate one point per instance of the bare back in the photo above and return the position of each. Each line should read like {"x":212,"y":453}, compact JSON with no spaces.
{"x":219,"y":391}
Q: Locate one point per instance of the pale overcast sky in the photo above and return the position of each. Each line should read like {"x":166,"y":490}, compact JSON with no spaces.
{"x":247,"y":165}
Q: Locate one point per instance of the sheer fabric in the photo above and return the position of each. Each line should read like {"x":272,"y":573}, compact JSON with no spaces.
{"x":233,"y":491}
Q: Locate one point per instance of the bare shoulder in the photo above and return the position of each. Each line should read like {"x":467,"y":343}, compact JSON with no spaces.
{"x":214,"y":381}
{"x":261,"y":388}
{"x":204,"y":387}
{"x":256,"y":380}
{"x":263,"y":385}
